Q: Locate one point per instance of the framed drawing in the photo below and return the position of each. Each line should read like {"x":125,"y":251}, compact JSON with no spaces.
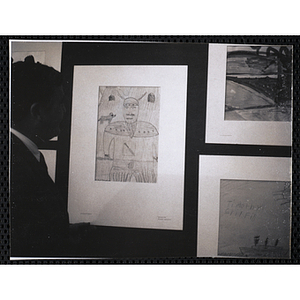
{"x":249,"y":95}
{"x":244,"y":207}
{"x":128,"y":146}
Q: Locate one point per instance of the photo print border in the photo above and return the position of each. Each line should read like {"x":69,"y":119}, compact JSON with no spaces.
{"x":179,"y":254}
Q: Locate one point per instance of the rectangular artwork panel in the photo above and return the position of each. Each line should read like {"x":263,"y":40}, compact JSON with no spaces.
{"x":259,"y":83}
{"x":127,"y":150}
{"x":249,"y":95}
{"x":128,"y":134}
{"x":254,"y":218}
{"x":245,"y":206}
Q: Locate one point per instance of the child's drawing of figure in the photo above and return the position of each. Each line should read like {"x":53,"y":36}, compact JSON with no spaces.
{"x":128,"y":146}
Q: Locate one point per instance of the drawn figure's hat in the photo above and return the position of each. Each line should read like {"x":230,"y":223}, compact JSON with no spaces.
{"x":130,"y":98}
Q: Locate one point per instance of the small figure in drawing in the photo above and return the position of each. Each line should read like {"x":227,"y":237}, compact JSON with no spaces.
{"x":256,"y":240}
{"x":266,"y":242}
{"x":106,"y":118}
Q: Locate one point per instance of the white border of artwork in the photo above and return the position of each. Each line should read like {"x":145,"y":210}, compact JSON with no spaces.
{"x":219,"y":131}
{"x":214,"y":168}
{"x":128,"y":204}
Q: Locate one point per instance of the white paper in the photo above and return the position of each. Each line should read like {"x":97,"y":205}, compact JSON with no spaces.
{"x":213,"y":169}
{"x":221,"y":131}
{"x":128,"y":204}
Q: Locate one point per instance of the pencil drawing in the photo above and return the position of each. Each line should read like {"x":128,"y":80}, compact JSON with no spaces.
{"x":127,"y":135}
{"x":254,"y":218}
{"x":258,"y":83}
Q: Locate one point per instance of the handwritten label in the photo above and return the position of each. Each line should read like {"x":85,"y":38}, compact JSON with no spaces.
{"x":242,"y":210}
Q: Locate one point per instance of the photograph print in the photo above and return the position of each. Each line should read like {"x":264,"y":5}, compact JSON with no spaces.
{"x":127,"y":134}
{"x":258,"y":83}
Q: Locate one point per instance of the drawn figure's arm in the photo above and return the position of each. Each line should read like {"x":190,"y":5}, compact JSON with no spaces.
{"x":107,"y":141}
{"x":154,"y":149}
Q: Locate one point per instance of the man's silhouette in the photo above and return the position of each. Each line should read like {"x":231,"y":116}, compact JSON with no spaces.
{"x":39,"y":217}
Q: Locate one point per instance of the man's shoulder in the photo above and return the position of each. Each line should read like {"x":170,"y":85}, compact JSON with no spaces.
{"x":19,"y":150}
{"x":23,"y":164}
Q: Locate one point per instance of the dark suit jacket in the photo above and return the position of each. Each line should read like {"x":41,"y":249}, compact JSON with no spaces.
{"x":39,"y":216}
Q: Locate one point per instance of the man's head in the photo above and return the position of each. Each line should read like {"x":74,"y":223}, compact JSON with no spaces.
{"x":130,"y":110}
{"x":37,"y":98}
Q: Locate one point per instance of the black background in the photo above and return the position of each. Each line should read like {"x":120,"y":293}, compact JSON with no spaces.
{"x":129,"y":243}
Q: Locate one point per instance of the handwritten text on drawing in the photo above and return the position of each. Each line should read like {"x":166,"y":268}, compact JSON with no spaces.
{"x":242,"y":210}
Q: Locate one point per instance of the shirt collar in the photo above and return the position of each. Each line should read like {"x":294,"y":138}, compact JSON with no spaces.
{"x":32,"y":147}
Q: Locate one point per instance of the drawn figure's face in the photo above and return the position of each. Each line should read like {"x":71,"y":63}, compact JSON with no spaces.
{"x":130,"y":110}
